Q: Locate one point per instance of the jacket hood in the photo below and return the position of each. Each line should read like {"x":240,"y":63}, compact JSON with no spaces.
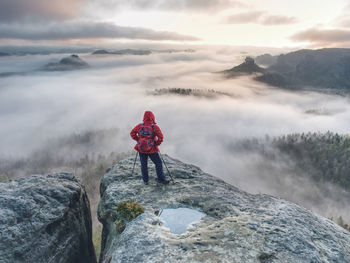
{"x":148,"y":117}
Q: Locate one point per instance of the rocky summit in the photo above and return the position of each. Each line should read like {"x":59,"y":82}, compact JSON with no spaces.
{"x":247,"y":67}
{"x":45,"y":219}
{"x":72,"y":62}
{"x":236,"y":226}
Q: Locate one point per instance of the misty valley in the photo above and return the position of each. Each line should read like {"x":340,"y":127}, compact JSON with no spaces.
{"x":267,"y":124}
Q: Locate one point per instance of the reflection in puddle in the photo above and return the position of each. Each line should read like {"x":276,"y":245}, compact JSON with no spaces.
{"x":178,"y":220}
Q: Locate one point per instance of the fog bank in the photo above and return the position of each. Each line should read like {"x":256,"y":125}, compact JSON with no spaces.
{"x":116,"y":90}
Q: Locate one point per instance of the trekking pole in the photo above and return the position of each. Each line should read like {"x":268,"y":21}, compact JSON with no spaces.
{"x":172,"y":179}
{"x":132,"y":173}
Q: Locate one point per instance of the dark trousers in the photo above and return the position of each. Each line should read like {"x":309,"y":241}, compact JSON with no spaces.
{"x":156,"y":160}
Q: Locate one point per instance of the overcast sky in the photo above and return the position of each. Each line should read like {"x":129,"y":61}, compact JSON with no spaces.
{"x":274,"y":23}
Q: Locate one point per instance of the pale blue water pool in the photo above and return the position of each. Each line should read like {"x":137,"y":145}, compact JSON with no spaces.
{"x":179,"y":219}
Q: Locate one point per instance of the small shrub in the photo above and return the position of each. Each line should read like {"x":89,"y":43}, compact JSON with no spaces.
{"x":129,"y":210}
{"x":3,"y":178}
{"x":96,"y":240}
{"x":340,"y":222}
{"x":119,"y":226}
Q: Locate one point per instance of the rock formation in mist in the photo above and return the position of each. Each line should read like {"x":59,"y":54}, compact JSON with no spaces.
{"x":247,"y":67}
{"x":72,"y":62}
{"x":237,"y":226}
{"x":45,"y":219}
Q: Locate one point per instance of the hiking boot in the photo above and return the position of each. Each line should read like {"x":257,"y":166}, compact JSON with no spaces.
{"x":146,"y":183}
{"x":165,"y":181}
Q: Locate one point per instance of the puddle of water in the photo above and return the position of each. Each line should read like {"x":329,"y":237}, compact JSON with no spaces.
{"x":179,"y":219}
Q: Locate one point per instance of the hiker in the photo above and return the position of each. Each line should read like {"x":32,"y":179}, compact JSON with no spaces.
{"x":149,"y":136}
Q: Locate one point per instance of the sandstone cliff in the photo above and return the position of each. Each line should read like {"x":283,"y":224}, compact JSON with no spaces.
{"x":238,"y":227}
{"x":45,"y":219}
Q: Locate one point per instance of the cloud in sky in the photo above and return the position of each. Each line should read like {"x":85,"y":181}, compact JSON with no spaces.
{"x":243,"y":18}
{"x":23,"y":10}
{"x":322,"y":36}
{"x":343,"y":20}
{"x":259,"y":17}
{"x":15,"y":10}
{"x":156,"y":20}
{"x":279,"y":20}
{"x":85,"y":30}
{"x":171,"y":5}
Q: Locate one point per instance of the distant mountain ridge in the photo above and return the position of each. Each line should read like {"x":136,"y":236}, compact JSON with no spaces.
{"x":122,"y":52}
{"x":322,"y":68}
{"x":130,"y":51}
{"x":327,"y":68}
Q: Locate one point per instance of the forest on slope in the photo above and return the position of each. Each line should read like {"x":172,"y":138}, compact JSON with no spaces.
{"x":324,"y":157}
{"x":321,"y":69}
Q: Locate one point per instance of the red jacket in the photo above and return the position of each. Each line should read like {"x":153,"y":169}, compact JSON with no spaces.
{"x":148,"y":119}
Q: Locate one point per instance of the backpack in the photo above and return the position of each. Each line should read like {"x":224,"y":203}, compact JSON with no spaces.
{"x":146,"y":138}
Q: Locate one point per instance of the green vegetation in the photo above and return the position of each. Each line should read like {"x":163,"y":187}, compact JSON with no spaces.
{"x":3,"y":178}
{"x":340,"y":222}
{"x":96,"y":240}
{"x":126,"y":211}
{"x":119,"y":226}
{"x":129,"y":210}
{"x":208,"y":93}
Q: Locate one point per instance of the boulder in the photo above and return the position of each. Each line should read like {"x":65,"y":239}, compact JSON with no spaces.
{"x":45,"y":219}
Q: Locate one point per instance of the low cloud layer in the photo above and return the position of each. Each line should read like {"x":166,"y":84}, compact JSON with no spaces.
{"x":323,"y":36}
{"x":85,"y":30}
{"x":112,"y":93}
{"x":259,"y":17}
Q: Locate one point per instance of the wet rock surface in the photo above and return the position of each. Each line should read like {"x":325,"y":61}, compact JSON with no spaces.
{"x":238,"y":226}
{"x":45,"y":219}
